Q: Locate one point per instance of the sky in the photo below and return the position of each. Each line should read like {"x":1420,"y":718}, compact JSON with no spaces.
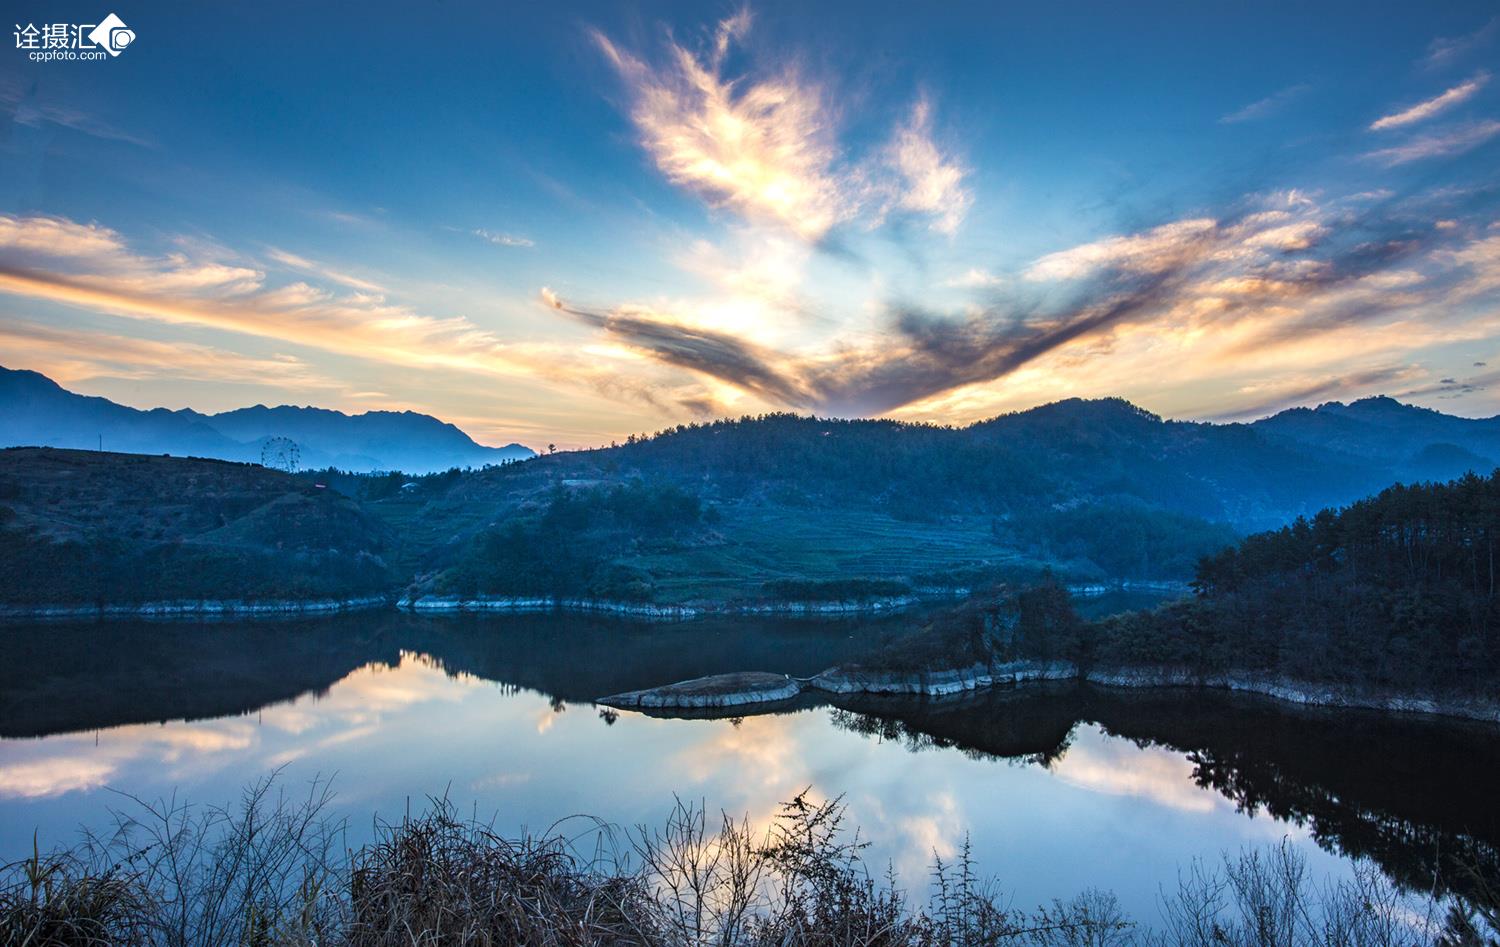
{"x":568,"y":223}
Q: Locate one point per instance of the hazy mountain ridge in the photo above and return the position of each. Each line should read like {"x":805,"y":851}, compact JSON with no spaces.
{"x":1385,"y":429}
{"x":35,"y":411}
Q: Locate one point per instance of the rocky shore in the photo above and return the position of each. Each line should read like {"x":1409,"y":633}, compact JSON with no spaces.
{"x":717,"y":691}
{"x":451,"y":604}
{"x":726,"y":690}
{"x":435,"y":604}
{"x":195,"y":608}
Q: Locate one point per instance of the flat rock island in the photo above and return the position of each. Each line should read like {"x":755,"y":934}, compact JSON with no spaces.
{"x":718,"y":690}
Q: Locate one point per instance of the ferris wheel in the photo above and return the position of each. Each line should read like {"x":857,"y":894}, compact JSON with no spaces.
{"x":280,"y":453}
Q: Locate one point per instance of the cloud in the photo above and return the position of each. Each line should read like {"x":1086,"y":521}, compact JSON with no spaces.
{"x":1262,"y":108}
{"x":27,"y":109}
{"x":1274,"y":397}
{"x":1283,"y":270}
{"x":1102,"y":764}
{"x":1153,"y":251}
{"x":1480,"y":259}
{"x":1448,"y":49}
{"x":73,"y":355}
{"x":53,"y":776}
{"x":920,"y":355}
{"x":718,"y":354}
{"x":1452,"y":141}
{"x":308,"y":266}
{"x":57,"y":236}
{"x":96,"y":255}
{"x":89,"y":266}
{"x":933,"y":182}
{"x":1440,"y":103}
{"x":763,"y":148}
{"x":504,"y":239}
{"x":976,"y":278}
{"x":766,"y":146}
{"x":1453,"y":387}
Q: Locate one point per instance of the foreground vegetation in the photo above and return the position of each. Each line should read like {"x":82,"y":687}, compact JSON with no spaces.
{"x":273,"y":870}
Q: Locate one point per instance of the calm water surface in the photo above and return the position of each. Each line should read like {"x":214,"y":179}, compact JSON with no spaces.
{"x":1060,"y":788}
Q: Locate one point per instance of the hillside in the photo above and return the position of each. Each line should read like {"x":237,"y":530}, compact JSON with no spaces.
{"x":84,"y":527}
{"x":770,"y":508}
{"x":1416,"y":443}
{"x":1096,"y":489}
{"x":36,"y":412}
{"x":1393,"y":594}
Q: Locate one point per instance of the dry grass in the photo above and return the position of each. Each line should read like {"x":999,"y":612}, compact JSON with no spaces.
{"x":273,"y":870}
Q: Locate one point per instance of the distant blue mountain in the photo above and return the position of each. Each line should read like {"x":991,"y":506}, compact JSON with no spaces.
{"x":1415,"y":443}
{"x":34,"y":410}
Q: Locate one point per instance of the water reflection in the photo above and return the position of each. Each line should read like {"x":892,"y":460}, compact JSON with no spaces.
{"x":1062,"y":787}
{"x":1416,"y":795}
{"x":57,"y":678}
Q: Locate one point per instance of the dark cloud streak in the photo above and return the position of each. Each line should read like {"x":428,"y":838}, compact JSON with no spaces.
{"x":924,"y":354}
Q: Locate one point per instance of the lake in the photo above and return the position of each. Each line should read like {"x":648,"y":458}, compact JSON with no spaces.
{"x":1060,"y":787}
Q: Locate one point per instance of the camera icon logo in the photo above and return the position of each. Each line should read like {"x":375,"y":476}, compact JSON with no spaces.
{"x":112,"y":34}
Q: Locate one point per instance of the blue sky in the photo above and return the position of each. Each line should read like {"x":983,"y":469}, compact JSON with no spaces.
{"x":553,"y":222}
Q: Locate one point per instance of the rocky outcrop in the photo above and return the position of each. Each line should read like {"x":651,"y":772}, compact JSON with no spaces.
{"x":717,"y":691}
{"x":936,"y":683}
{"x":739,"y":690}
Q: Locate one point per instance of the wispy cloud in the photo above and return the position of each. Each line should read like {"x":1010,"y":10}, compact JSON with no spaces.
{"x":1266,"y":107}
{"x":1433,"y":106}
{"x":91,"y":266}
{"x":72,"y":355}
{"x":933,"y":181}
{"x":504,"y":239}
{"x":765,"y":148}
{"x":1451,"y":141}
{"x":766,"y":145}
{"x":27,"y":108}
{"x":305,"y":265}
{"x":976,"y":278}
{"x":1282,"y":272}
{"x":1156,"y":250}
{"x":1280,"y":394}
{"x":1446,"y":50}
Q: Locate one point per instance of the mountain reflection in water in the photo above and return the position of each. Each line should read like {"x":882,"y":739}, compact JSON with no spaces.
{"x":1414,"y":795}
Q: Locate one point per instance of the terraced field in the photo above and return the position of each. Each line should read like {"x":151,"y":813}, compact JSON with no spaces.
{"x":757,"y":544}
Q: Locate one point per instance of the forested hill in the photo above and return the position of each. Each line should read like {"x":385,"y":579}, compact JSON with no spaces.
{"x":1098,"y":490}
{"x":782,"y":506}
{"x":1400,"y":587}
{"x":91,"y":527}
{"x":1068,"y":454}
{"x":1397,"y":591}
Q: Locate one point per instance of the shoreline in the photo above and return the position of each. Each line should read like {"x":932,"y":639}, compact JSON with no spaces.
{"x":980,"y":677}
{"x":229,"y":609}
{"x":441,"y":605}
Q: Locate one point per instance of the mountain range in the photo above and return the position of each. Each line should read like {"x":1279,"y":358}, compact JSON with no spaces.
{"x":36,"y":411}
{"x":728,"y":510}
